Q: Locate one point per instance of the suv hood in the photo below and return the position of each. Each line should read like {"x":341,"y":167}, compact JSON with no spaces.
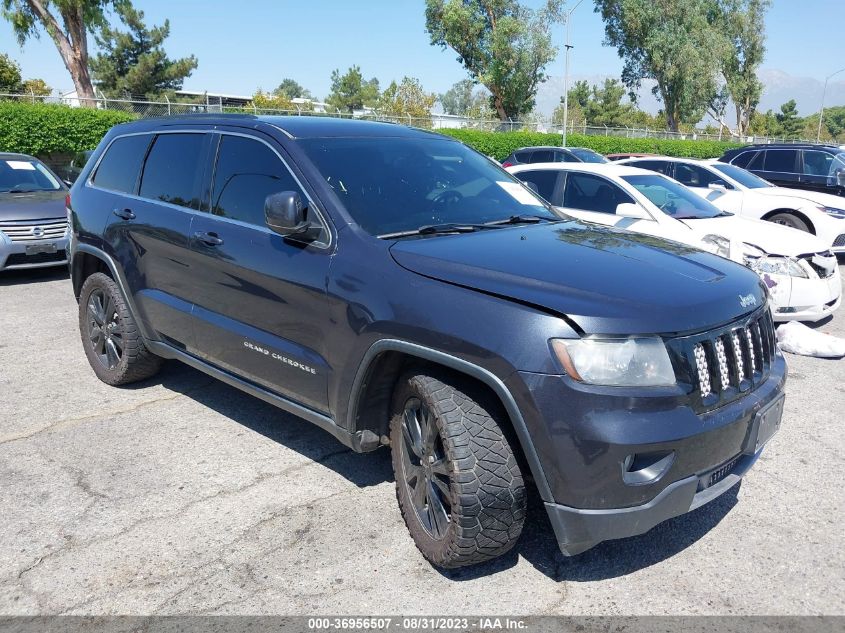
{"x":605,"y":280}
{"x":773,"y":238}
{"x":39,"y":205}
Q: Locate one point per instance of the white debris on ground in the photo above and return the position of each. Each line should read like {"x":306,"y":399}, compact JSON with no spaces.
{"x":797,"y":338}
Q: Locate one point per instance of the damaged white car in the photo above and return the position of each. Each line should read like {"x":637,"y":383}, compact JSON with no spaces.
{"x":799,"y":269}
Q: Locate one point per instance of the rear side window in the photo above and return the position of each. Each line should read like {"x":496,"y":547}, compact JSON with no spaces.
{"x":593,"y":193}
{"x":545,"y":181}
{"x":660,"y":166}
{"x":523,"y":156}
{"x":743,"y":159}
{"x":565,"y":157}
{"x":121,"y":164}
{"x":247,"y":172}
{"x":780,"y":160}
{"x":171,"y":173}
{"x":542,"y":156}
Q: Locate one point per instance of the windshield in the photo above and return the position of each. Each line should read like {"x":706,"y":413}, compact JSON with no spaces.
{"x":745,"y":178}
{"x":390,"y":185}
{"x":673,"y":198}
{"x":21,"y":175}
{"x":588,"y":155}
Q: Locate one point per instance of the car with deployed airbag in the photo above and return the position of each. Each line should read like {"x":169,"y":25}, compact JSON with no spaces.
{"x":398,"y":289}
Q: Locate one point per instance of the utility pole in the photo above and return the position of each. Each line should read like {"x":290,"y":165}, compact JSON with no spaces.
{"x":568,"y":47}
{"x":821,"y":112}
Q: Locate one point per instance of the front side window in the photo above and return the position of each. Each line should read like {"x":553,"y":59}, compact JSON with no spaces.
{"x":673,"y":198}
{"x":25,"y":175}
{"x":247,"y":172}
{"x":782,"y":160}
{"x":171,"y":172}
{"x":542,"y":156}
{"x":696,"y":176}
{"x":545,"y":180}
{"x":743,"y":177}
{"x":587,"y":192}
{"x":394,"y":184}
{"x":121,"y":164}
{"x":660,"y":166}
{"x":588,"y":155}
{"x":817,"y":163}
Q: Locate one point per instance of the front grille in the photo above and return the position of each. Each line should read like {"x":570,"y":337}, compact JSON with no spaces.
{"x":840,"y":240}
{"x":21,"y":259}
{"x":724,"y":364}
{"x":34,"y":230}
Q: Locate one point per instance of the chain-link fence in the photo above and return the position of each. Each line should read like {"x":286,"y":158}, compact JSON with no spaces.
{"x":435,"y":121}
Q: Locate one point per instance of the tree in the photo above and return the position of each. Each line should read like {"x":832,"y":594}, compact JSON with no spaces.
{"x":271,"y":101}
{"x":674,"y":42}
{"x":134,"y":62}
{"x":67,"y":22}
{"x":406,"y":99}
{"x":292,"y":90}
{"x":503,"y":45}
{"x":789,"y":121}
{"x":458,"y":99}
{"x":765,"y":124}
{"x":351,"y":92}
{"x":605,"y":105}
{"x":743,"y":22}
{"x":37,"y":87}
{"x":580,"y":93}
{"x":10,"y":74}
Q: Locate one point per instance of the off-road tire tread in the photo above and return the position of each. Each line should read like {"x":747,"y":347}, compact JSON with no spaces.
{"x":137,"y":363}
{"x":489,"y":495}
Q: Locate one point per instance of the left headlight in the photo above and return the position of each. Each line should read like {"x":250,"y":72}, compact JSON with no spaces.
{"x":718,"y":245}
{"x":836,"y":213}
{"x":775,"y":265}
{"x":636,"y":362}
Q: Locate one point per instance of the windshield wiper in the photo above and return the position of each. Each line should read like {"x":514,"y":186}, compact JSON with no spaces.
{"x":440,"y":229}
{"x":519,"y":219}
{"x":21,"y":191}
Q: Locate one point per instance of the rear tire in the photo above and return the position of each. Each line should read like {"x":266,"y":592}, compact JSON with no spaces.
{"x":110,"y":336}
{"x":458,"y":483}
{"x":790,"y":220}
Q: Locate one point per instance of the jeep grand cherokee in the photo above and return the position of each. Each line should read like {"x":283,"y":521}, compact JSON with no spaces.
{"x":398,"y":289}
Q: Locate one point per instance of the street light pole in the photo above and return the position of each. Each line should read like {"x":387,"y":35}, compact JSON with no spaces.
{"x":821,"y":112}
{"x":568,"y":47}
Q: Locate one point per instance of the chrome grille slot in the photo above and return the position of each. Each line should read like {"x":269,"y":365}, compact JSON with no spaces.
{"x":722,"y":363}
{"x":34,"y":230}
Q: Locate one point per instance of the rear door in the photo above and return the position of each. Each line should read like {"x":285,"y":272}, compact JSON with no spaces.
{"x":150,"y":224}
{"x":780,"y":166}
{"x":259,"y":298}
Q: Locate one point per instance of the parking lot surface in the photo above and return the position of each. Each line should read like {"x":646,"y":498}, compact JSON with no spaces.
{"x":183,"y":495}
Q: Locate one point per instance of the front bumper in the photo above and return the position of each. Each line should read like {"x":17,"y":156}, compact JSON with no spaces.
{"x":796,"y":299}
{"x":14,"y":256}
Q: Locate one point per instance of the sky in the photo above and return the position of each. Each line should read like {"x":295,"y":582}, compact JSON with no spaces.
{"x":244,"y":45}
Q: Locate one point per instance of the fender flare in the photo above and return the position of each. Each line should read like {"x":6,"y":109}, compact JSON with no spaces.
{"x":464,"y":367}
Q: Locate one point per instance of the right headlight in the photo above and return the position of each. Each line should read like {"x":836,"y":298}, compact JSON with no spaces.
{"x":775,"y":265}
{"x":717,"y":245}
{"x":635,"y":362}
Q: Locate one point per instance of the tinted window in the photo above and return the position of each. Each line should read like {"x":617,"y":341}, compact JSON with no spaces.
{"x":545,"y":181}
{"x":588,"y":155}
{"x":523,"y":156}
{"x":592,"y":193}
{"x":542,"y":156}
{"x":756,"y":161}
{"x":247,"y":172}
{"x":119,"y":169}
{"x":817,"y":163}
{"x":565,"y":157}
{"x":743,"y":159}
{"x":660,"y":166}
{"x":394,"y":184}
{"x":780,"y":160}
{"x":172,"y":169}
{"x":696,"y":176}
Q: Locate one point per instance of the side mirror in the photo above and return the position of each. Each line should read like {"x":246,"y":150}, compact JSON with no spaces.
{"x":68,"y":183}
{"x":717,"y":185}
{"x":285,"y":213}
{"x":631,"y":210}
{"x":532,"y":186}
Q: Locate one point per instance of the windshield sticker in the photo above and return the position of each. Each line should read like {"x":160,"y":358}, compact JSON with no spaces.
{"x":21,"y":165}
{"x":518,"y":193}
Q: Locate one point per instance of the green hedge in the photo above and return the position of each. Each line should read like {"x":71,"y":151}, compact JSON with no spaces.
{"x":39,"y":129}
{"x":500,"y":144}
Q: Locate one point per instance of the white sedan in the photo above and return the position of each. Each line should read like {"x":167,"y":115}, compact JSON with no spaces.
{"x":800,"y":271}
{"x":734,"y":189}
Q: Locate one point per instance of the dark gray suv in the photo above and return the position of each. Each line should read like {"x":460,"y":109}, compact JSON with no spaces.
{"x":396,"y":288}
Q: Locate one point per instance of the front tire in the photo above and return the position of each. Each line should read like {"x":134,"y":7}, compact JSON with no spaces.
{"x":790,"y":220}
{"x":110,"y":336}
{"x":458,"y":483}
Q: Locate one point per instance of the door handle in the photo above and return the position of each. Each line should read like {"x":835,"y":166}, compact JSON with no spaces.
{"x":211,"y":239}
{"x":126,"y":214}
